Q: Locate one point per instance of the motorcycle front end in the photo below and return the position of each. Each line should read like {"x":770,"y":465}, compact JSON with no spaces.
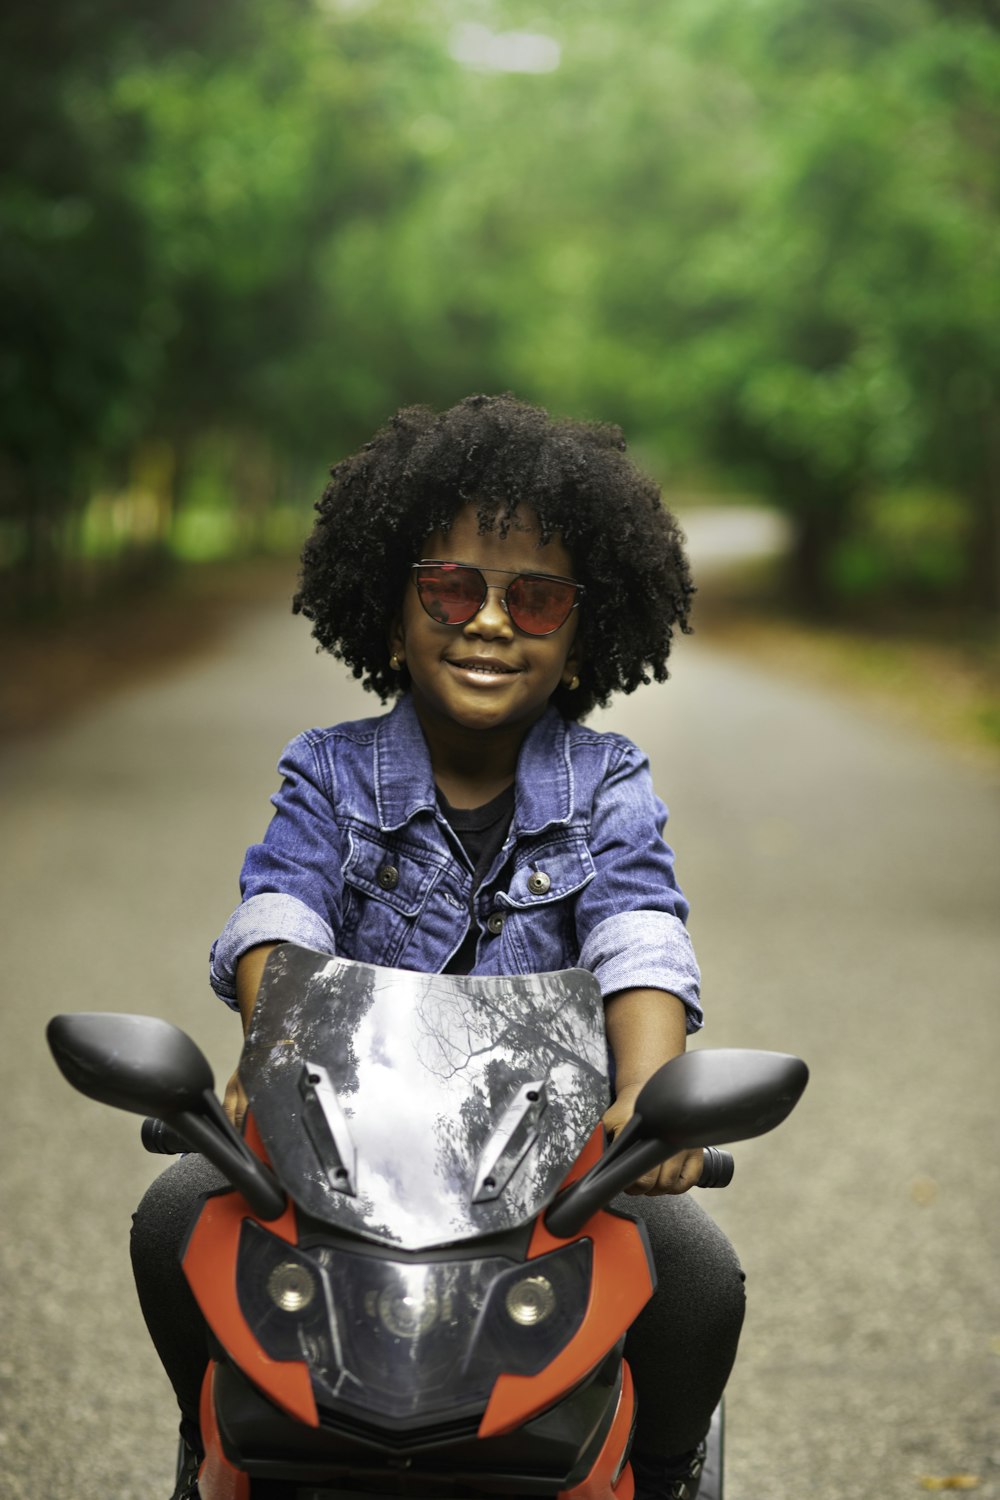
{"x":414,"y":1286}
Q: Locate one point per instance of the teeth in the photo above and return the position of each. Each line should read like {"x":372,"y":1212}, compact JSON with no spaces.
{"x":486,"y":671}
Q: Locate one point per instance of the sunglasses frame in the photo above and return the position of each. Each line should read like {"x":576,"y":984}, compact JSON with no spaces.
{"x":513,"y":575}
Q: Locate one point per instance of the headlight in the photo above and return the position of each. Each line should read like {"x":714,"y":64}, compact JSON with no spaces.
{"x":291,"y":1286}
{"x":530,"y":1300}
{"x":408,"y":1310}
{"x":409,"y":1339}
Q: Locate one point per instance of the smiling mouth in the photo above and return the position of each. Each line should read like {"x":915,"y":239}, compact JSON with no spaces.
{"x":484,"y":668}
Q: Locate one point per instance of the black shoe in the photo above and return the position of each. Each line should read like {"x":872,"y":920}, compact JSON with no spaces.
{"x":675,"y":1478}
{"x":188,"y":1463}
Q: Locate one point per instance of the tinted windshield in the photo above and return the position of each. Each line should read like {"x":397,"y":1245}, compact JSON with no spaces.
{"x":422,"y":1109}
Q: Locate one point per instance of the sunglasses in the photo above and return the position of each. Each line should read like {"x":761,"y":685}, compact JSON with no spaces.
{"x":454,"y":593}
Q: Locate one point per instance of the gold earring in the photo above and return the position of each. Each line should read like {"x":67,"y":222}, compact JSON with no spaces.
{"x":573,"y":684}
{"x":394,"y":662}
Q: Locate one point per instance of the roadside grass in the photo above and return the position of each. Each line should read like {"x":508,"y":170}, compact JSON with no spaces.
{"x":941,"y":677}
{"x":53,"y":670}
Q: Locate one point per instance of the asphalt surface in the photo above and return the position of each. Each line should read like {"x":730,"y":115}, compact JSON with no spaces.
{"x":844,"y":879}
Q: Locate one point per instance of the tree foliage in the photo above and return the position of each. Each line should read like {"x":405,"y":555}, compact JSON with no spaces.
{"x":760,"y":235}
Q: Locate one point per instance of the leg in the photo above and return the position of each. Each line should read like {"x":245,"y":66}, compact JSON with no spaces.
{"x":682,"y":1346}
{"x":173,"y":1318}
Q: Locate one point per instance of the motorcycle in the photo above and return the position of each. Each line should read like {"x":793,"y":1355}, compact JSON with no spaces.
{"x":413,"y":1283}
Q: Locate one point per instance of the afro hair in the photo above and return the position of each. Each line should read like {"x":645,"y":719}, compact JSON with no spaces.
{"x":502,"y":456}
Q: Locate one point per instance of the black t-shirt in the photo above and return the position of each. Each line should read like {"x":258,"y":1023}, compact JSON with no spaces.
{"x":481,"y":832}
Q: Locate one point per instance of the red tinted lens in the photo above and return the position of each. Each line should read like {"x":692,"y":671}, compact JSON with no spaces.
{"x":539,"y":605}
{"x":450,"y":593}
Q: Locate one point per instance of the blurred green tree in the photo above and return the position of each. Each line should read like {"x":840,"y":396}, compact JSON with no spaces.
{"x":761,"y":237}
{"x":868,"y":336}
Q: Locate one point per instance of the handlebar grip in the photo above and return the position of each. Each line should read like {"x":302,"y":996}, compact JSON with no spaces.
{"x":158,"y":1137}
{"x":718,"y":1169}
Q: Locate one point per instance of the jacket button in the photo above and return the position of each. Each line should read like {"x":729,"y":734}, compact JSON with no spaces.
{"x":539,"y":883}
{"x":495,"y":922}
{"x":388,"y":877}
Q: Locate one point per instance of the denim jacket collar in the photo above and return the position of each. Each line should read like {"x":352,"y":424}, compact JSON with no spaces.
{"x":404,"y":782}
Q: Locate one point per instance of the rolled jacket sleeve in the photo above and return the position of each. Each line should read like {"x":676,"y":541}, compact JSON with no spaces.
{"x":631,"y":917}
{"x":292,"y":882}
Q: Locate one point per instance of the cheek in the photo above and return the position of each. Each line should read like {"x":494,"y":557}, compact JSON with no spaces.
{"x":556,"y":659}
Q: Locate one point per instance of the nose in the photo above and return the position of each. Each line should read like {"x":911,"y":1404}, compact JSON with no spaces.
{"x":491,"y":619}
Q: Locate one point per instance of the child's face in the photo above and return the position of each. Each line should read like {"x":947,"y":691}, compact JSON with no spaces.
{"x":486,"y":674}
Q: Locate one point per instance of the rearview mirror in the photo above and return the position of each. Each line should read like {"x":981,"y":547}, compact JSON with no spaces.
{"x":713,"y":1097}
{"x":697,"y":1099}
{"x":137,"y":1063}
{"x":150,"y":1067}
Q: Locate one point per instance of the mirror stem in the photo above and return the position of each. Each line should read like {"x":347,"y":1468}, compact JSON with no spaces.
{"x":214,"y":1136}
{"x":605,"y":1180}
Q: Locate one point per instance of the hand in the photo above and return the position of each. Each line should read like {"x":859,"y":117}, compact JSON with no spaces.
{"x":235,"y":1101}
{"x":675,"y":1175}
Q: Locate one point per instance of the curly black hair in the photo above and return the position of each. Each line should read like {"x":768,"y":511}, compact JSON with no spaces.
{"x":500,"y":455}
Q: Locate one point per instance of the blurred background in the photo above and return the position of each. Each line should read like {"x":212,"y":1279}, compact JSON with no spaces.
{"x":761,"y":235}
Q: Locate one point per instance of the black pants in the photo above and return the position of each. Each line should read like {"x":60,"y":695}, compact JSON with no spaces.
{"x":681,"y":1347}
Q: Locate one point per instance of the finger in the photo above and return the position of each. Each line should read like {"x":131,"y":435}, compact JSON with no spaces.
{"x":667,"y":1180}
{"x":664,"y":1178}
{"x":644,"y":1185}
{"x":661,"y":1188}
{"x":680,"y":1174}
{"x":234,"y":1101}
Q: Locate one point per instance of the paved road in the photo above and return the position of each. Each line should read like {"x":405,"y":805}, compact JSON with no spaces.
{"x":844,"y":880}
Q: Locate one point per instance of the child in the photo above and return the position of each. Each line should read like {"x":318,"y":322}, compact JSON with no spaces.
{"x":498,"y":574}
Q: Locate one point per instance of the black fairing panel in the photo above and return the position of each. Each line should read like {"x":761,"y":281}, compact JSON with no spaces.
{"x":550,"y":1453}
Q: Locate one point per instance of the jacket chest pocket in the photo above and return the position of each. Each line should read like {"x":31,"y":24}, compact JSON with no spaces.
{"x":539,"y":904}
{"x":385,"y":891}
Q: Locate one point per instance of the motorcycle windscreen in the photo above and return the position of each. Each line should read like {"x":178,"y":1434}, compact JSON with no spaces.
{"x":422,"y":1109}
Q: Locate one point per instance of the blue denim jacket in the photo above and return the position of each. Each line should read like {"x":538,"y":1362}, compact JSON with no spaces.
{"x":358,"y":860}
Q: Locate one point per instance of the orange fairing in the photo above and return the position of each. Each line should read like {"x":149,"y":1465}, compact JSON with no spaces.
{"x":210,"y":1267}
{"x":253,"y":1139}
{"x":600,"y":1482}
{"x":217,"y":1479}
{"x":621,"y":1286}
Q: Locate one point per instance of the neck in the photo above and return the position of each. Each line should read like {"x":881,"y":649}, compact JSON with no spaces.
{"x":471,"y":766}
